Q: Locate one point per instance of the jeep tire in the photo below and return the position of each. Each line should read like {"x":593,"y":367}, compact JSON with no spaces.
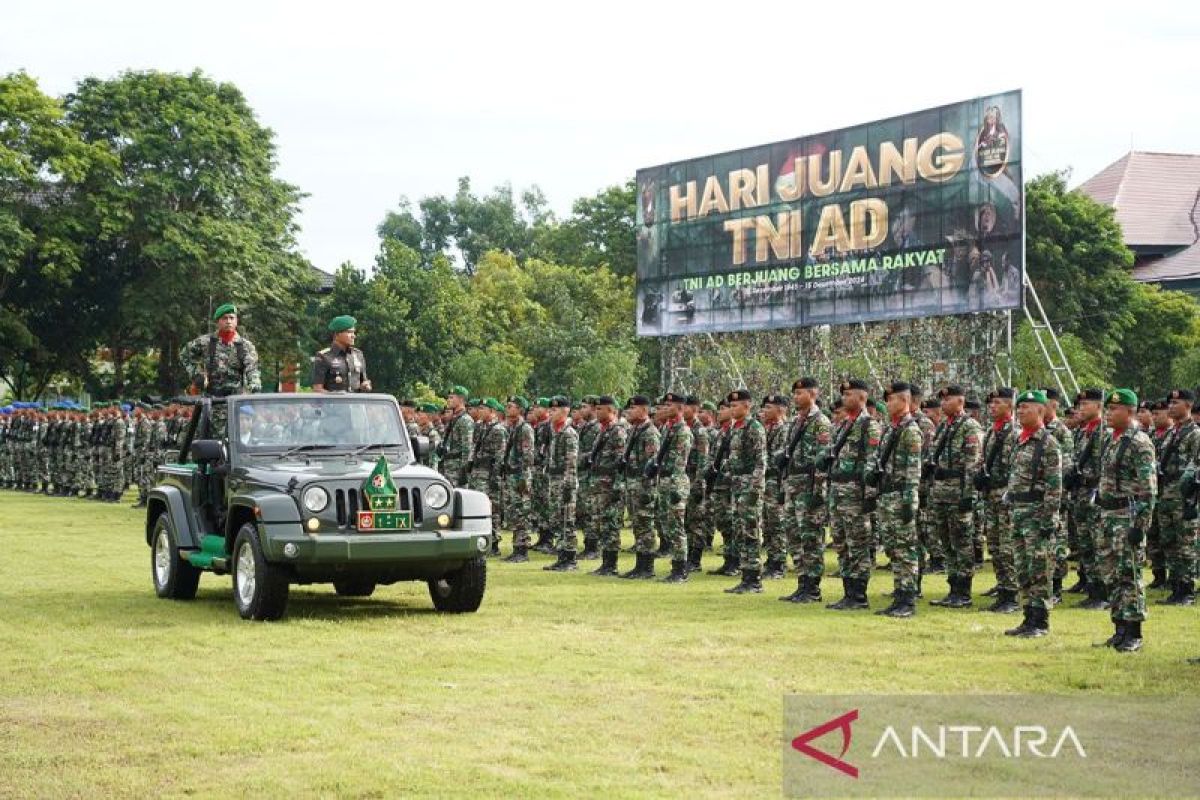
{"x":174,"y":578}
{"x":260,"y":589}
{"x":462,"y":590}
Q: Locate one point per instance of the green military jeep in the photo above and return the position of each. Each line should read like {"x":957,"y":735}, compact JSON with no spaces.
{"x":312,"y":488}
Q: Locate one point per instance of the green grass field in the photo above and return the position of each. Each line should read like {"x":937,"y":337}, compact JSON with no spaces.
{"x":561,"y":685}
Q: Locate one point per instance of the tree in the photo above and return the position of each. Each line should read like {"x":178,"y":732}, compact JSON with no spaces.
{"x":1166,"y":329}
{"x":499,"y":371}
{"x":1078,"y":262}
{"x":191,"y":192}
{"x":599,"y":232}
{"x":1031,"y":369}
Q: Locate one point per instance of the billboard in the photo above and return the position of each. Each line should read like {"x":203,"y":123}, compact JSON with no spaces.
{"x":913,"y":216}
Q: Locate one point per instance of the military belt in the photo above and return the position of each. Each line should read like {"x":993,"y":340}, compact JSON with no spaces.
{"x":844,"y":478}
{"x":604,"y":471}
{"x":1113,"y":503}
{"x":807,"y":469}
{"x":942,"y":473}
{"x":1027,"y":497}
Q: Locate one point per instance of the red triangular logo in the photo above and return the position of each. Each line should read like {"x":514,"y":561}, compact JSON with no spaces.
{"x":842,"y":723}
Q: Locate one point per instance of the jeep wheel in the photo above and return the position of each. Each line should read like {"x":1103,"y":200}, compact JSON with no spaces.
{"x":260,"y":589}
{"x":461,"y":590}
{"x":174,"y":578}
{"x":354,"y":587}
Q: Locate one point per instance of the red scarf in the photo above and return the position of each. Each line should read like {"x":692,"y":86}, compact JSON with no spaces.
{"x":998,"y":424}
{"x":1027,"y":432}
{"x":226,"y":336}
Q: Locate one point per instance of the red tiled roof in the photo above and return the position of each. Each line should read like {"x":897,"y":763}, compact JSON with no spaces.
{"x":1181,"y":265}
{"x":1155,"y":196}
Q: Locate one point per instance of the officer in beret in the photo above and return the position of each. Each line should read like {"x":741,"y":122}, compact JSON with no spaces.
{"x":562,"y":482}
{"x":1177,"y":533}
{"x":222,"y":363}
{"x":341,"y":367}
{"x":459,"y":440}
{"x":585,"y":507}
{"x":774,"y":417}
{"x":1082,"y":482}
{"x":803,"y":475}
{"x":1126,"y":496}
{"x":992,"y":481}
{"x":747,"y":469}
{"x":518,"y":472}
{"x":1066,"y":446}
{"x":957,"y":450}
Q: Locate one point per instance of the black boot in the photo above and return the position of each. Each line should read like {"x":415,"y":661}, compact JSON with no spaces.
{"x":1160,"y":579}
{"x":920,"y":576}
{"x":774,"y":569}
{"x":961,"y":599}
{"x":520,"y":555}
{"x":1056,"y":589}
{"x":1026,"y":623}
{"x":729,"y":568}
{"x":1187,"y":592}
{"x":664,"y":549}
{"x":695,"y":554}
{"x":1118,"y":635}
{"x":643,"y":569}
{"x":1132,"y":640}
{"x":977,"y":551}
{"x":543,"y":544}
{"x":854,"y":596}
{"x":1097,"y":599}
{"x":992,"y":592}
{"x":679,"y":572}
{"x":951,"y":597}
{"x":495,"y":545}
{"x":565,"y":563}
{"x":902,"y":605}
{"x":608,"y":563}
{"x":812,"y":592}
{"x":590,"y":549}
{"x":1006,"y":602}
{"x":751,"y":583}
{"x":794,"y":597}
{"x":1080,"y":586}
{"x":1039,"y":624}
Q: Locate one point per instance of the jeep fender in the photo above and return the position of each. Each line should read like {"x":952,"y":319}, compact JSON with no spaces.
{"x":473,"y":510}
{"x":170,"y":500}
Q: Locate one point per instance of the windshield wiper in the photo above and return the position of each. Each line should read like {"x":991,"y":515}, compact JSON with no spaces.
{"x":366,"y":447}
{"x":302,"y":448}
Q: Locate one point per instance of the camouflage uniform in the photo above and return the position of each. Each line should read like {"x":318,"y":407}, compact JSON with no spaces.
{"x":518,"y":474}
{"x":808,"y":441}
{"x":221,"y":370}
{"x":562,"y":484}
{"x":1176,"y":534}
{"x":696,"y":519}
{"x":1066,"y":450}
{"x":956,"y":455}
{"x":672,"y":486}
{"x":457,"y":448}
{"x":896,"y":469}
{"x":604,"y":477}
{"x":747,"y":467}
{"x":1090,"y":441}
{"x":931,"y":545}
{"x":540,"y":499}
{"x":1034,"y":493}
{"x":993,"y":479}
{"x":640,"y":449}
{"x":585,"y":509}
{"x":854,"y":444}
{"x":1128,"y":486}
{"x":719,"y":500}
{"x":430,"y":432}
{"x":486,"y":456}
{"x":774,"y":527}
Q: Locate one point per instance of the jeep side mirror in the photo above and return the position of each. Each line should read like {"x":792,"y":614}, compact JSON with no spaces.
{"x":207,"y":451}
{"x":421,"y":446}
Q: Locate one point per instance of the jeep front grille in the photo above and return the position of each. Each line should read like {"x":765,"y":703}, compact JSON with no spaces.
{"x":346,"y":503}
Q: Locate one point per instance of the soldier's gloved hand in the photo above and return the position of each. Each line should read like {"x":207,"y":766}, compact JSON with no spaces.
{"x":965,"y":504}
{"x":1135,"y":536}
{"x":981,"y":482}
{"x":650,"y":470}
{"x":1071,"y":481}
{"x":907,"y":513}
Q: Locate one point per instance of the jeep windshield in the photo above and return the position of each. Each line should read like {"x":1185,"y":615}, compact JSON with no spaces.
{"x":319,"y":425}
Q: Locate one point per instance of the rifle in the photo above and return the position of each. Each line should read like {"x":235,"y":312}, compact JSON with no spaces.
{"x":714,"y":470}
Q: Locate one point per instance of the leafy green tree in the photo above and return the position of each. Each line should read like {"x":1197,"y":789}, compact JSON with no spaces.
{"x":1030,"y":368}
{"x":498,"y":371}
{"x":1166,"y":329}
{"x":600,"y":231}
{"x":187,"y":215}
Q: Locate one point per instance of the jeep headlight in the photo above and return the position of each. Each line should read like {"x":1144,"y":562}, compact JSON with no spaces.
{"x":436,"y":495}
{"x":315,"y":499}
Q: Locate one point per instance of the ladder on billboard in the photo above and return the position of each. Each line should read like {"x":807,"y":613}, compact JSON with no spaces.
{"x":1048,"y":342}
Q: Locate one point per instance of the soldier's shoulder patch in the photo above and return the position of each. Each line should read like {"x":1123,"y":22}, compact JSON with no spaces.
{"x":324,"y":352}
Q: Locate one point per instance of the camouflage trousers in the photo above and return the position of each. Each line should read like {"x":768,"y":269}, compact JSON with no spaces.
{"x":806,"y":533}
{"x":642,"y":500}
{"x":850,"y":527}
{"x":956,"y":530}
{"x":1060,"y":544}
{"x":1000,"y":540}
{"x":540,"y":502}
{"x":479,"y":480}
{"x":1089,"y":543}
{"x":775,"y":524}
{"x":1033,"y":539}
{"x":696,"y":519}
{"x":1122,"y":566}
{"x":562,"y":513}
{"x":900,"y":540}
{"x":1177,"y":537}
{"x":147,"y":468}
{"x":608,"y":506}
{"x":745,"y":518}
{"x":517,"y":510}
{"x":672,"y":496}
{"x":454,"y":470}
{"x":720,"y":504}
{"x":585,"y":506}
{"x":1155,"y":553}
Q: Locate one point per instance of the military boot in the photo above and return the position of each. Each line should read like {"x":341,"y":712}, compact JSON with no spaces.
{"x":679,"y":572}
{"x":557,"y":565}
{"x":1132,"y":640}
{"x":794,"y":597}
{"x":543,"y":543}
{"x":1006,"y":602}
{"x":1160,"y":579}
{"x":590,"y":549}
{"x":695,"y":554}
{"x":1056,"y":589}
{"x":644,"y":569}
{"x":664,"y":549}
{"x":1080,"y":586}
{"x":1118,"y":635}
{"x":1187,"y":592}
{"x":947,"y":601}
{"x":727,"y":563}
{"x":1097,"y":599}
{"x":902,"y":605}
{"x":847,"y":602}
{"x":565,"y":563}
{"x":519,"y":555}
{"x":608,"y":563}
{"x":937,"y":566}
{"x":1026,"y":623}
{"x":992,"y":592}
{"x":774,"y":569}
{"x":1039,"y":624}
{"x":751,"y":583}
{"x":964,"y":592}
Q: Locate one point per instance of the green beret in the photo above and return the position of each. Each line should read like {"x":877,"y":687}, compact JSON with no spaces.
{"x":543,"y":402}
{"x":494,"y":405}
{"x":519,"y":401}
{"x":708,"y":405}
{"x":428,"y":408}
{"x":474,"y":402}
{"x":1122,"y":397}
{"x":222,"y":310}
{"x":881,"y":406}
{"x":343,"y":323}
{"x":1032,"y":396}
{"x":461,"y":391}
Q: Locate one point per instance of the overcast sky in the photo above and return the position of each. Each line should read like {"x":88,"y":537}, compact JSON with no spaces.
{"x":371,"y":101}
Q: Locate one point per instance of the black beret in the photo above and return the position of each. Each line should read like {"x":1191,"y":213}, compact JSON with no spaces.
{"x":671,"y":397}
{"x":1090,"y":394}
{"x":1181,"y":394}
{"x":560,"y":401}
{"x":606,"y":400}
{"x":973,"y":404}
{"x":637,"y":400}
{"x":723,"y":404}
{"x":1051,"y":393}
{"x":805,"y":383}
{"x":1005,"y":393}
{"x":953,"y":390}
{"x":738,"y":394}
{"x":915,"y":389}
{"x":776,"y":400}
{"x":899,"y":386}
{"x":691,"y":400}
{"x":854,"y":383}
{"x":931,"y":403}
